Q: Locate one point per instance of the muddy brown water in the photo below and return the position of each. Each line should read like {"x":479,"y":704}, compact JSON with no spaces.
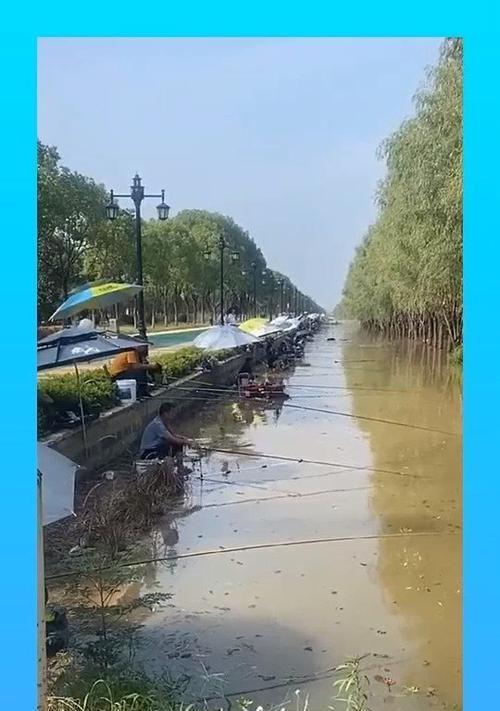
{"x":261,"y":623}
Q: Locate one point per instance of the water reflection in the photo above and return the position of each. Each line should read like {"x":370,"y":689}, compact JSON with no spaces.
{"x":421,"y":578}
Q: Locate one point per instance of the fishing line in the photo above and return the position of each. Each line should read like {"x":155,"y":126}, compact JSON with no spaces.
{"x":300,"y":460}
{"x":279,"y":403}
{"x":370,"y":419}
{"x":253,"y":547}
{"x":298,"y":681}
{"x":291,"y":495}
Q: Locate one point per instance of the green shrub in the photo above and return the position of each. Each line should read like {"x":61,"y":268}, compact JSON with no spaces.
{"x":176,"y":364}
{"x":98,"y":392}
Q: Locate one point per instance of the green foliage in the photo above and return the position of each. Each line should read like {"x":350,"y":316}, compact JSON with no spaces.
{"x":97,"y":390}
{"x":117,"y":692}
{"x":176,"y":364}
{"x":181,"y":256}
{"x":70,"y":207}
{"x":352,"y":685}
{"x":407,"y":273}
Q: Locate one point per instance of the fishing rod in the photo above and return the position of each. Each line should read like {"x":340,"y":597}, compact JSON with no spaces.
{"x":252,"y":547}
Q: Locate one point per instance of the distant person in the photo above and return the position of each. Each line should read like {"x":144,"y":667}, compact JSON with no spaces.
{"x":134,"y":365}
{"x":158,"y":441}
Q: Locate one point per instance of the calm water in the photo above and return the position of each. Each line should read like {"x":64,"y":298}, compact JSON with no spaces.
{"x":386,"y":583}
{"x":164,"y":340}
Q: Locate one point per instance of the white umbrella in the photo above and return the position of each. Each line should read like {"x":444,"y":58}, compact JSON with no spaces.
{"x":221,"y":337}
{"x":279,"y":320}
{"x":267,"y":330}
{"x":58,"y":484}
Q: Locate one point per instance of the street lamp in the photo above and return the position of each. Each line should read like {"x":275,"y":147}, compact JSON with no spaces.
{"x":112,"y":210}
{"x":254,"y":275}
{"x":281,"y":284}
{"x":223,"y":245}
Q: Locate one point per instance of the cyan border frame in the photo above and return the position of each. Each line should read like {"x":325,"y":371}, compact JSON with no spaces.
{"x":481,"y":283}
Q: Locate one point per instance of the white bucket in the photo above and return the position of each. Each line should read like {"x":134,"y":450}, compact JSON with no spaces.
{"x":127,"y":390}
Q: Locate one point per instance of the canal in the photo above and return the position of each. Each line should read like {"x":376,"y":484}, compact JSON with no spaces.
{"x":359,"y":555}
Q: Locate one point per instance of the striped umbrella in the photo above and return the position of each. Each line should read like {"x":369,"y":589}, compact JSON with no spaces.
{"x":95,"y":295}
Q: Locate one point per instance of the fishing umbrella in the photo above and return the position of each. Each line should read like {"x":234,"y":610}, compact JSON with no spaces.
{"x":56,"y":494}
{"x":95,"y":295}
{"x":267,"y":330}
{"x":279,"y":320}
{"x":221,"y":337}
{"x":76,"y":344}
{"x":252,"y":325}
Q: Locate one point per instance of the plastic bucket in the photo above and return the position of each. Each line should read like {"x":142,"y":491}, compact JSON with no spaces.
{"x":127,"y":390}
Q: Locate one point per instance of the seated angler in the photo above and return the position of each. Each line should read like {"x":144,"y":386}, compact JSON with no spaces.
{"x":158,"y":441}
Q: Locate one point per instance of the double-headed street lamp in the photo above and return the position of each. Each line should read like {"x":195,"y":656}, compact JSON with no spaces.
{"x":223,"y":245}
{"x":137,"y":195}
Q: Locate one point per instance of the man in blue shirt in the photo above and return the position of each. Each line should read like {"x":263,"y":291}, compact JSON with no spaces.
{"x":158,"y":441}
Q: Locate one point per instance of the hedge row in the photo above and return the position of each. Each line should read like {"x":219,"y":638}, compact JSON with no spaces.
{"x":99,"y":392}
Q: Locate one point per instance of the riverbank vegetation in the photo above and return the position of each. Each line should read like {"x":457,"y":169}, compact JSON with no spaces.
{"x":60,"y":393}
{"x":406,"y":277}
{"x":181,"y":256}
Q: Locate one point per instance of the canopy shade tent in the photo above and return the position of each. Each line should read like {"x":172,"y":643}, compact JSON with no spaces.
{"x":222,"y":337}
{"x":77,"y":345}
{"x":95,"y":295}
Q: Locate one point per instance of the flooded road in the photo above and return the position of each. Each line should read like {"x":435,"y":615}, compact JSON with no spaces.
{"x":358,"y":555}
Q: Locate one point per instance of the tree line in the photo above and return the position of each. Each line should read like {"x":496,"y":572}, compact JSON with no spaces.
{"x":406,"y":277}
{"x":76,"y":244}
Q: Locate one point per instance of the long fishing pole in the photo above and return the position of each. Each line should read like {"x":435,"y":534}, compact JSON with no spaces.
{"x":252,"y":547}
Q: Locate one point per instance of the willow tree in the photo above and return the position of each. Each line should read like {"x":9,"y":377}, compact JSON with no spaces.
{"x":406,"y":278}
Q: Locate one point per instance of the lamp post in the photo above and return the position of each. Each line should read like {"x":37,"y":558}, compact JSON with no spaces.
{"x":223,"y":245}
{"x":254,"y":275}
{"x":137,"y":195}
{"x":281,"y":284}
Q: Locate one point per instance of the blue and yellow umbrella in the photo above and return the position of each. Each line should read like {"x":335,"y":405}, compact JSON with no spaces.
{"x":95,"y":295}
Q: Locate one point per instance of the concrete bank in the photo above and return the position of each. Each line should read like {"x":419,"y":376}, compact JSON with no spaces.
{"x":119,"y":429}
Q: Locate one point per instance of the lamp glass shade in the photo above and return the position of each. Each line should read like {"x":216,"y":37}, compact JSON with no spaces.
{"x":163,"y":210}
{"x":112,"y":209}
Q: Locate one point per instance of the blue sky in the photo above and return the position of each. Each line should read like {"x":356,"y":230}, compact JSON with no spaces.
{"x":279,"y":133}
